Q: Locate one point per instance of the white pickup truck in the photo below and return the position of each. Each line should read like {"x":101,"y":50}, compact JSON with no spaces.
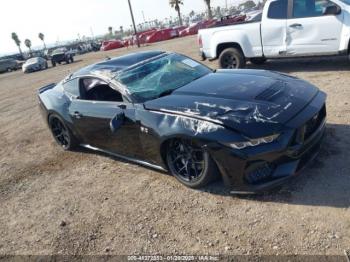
{"x":288,"y":28}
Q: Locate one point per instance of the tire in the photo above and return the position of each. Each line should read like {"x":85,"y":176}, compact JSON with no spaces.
{"x":258,"y":60}
{"x":72,"y":59}
{"x":199,"y":170}
{"x":61,"y":133}
{"x":232,"y":58}
{"x":67,"y":60}
{"x":46,"y":65}
{"x":53,"y":63}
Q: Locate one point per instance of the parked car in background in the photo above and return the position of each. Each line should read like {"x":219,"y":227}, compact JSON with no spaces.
{"x":96,"y":46}
{"x":60,"y":55}
{"x":288,"y":28}
{"x":161,"y":35}
{"x":111,"y":44}
{"x":7,"y":65}
{"x":255,"y":129}
{"x":34,"y":64}
{"x":228,"y":20}
{"x":193,"y":29}
{"x":254,"y":16}
{"x":179,"y":29}
{"x":143,"y":35}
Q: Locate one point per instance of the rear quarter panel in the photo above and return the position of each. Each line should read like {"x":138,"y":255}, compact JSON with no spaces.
{"x":54,"y":100}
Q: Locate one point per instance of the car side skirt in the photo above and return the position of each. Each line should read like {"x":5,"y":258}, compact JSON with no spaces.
{"x":129,"y":159}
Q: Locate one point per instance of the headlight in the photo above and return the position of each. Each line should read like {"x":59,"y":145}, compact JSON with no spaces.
{"x":252,"y":142}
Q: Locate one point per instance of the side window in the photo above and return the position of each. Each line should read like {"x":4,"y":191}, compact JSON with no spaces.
{"x":310,"y":8}
{"x":72,"y":87}
{"x":95,"y":89}
{"x":278,"y":9}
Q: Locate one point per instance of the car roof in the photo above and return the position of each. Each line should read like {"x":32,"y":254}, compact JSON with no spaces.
{"x":110,"y":67}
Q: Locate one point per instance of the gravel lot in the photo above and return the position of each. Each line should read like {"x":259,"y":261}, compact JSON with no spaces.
{"x":55,"y":202}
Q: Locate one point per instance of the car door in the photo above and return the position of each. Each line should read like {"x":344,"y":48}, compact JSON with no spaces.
{"x":92,"y":120}
{"x":274,"y":28}
{"x":311,"y":31}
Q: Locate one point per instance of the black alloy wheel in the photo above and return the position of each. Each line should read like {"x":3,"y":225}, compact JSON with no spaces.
{"x":190,"y":164}
{"x":231,"y":58}
{"x":61,"y":133}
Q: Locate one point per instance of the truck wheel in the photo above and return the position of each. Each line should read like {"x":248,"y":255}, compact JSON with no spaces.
{"x":53,"y":63}
{"x":232,"y":58}
{"x":72,"y":59}
{"x":67,"y":60}
{"x":258,"y":60}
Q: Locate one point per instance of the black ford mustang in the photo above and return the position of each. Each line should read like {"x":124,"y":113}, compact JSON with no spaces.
{"x":255,"y":128}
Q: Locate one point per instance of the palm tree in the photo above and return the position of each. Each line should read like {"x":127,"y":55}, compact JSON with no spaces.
{"x":41,"y":36}
{"x":192,"y":14}
{"x":110,"y":30}
{"x":28,"y":44}
{"x":210,"y":15}
{"x":17,"y":41}
{"x":176,"y":4}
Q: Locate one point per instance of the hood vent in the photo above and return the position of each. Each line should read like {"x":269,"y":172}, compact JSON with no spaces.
{"x":272,"y":91}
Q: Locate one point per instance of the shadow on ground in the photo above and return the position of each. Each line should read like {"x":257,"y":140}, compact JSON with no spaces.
{"x":325,"y":182}
{"x":324,"y":64}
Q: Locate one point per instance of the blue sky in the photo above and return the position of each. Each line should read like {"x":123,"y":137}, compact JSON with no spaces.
{"x":64,"y":19}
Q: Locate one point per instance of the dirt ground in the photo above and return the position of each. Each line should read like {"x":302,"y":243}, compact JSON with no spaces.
{"x":56,"y":202}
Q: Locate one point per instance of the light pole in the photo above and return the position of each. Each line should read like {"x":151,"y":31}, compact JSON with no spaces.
{"x":133,"y":23}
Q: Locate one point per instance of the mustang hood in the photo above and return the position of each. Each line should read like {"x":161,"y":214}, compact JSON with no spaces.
{"x":254,"y":102}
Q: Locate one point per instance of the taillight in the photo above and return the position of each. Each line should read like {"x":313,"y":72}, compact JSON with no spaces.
{"x":200,"y":43}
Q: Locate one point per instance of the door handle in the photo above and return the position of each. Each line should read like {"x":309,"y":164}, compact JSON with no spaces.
{"x":77,"y":115}
{"x":295,"y":25}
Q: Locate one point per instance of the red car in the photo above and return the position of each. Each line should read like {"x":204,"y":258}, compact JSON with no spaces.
{"x":111,"y":44}
{"x":193,"y":29}
{"x":229,"y":20}
{"x":143,"y":35}
{"x":179,"y":29}
{"x":161,"y":35}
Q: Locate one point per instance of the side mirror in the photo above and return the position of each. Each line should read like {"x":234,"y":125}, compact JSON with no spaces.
{"x":117,"y":121}
{"x":332,"y":10}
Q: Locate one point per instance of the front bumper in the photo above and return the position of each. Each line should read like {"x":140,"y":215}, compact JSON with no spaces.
{"x":202,"y":55}
{"x":264,"y":167}
{"x":205,"y":54}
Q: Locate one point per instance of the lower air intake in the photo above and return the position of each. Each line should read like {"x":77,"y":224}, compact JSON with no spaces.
{"x":259,"y":172}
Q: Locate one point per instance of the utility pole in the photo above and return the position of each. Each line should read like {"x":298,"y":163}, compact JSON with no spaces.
{"x":92,"y":33}
{"x":133,"y":23}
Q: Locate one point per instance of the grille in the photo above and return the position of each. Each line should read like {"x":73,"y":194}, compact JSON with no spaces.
{"x":306,"y":131}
